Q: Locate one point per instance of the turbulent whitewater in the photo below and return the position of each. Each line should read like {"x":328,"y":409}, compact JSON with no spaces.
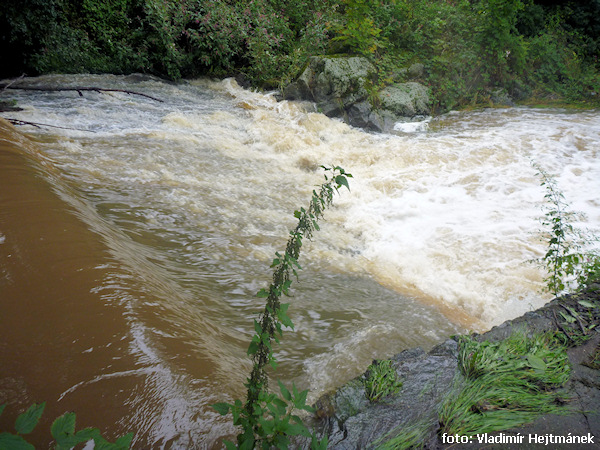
{"x":146,"y":228}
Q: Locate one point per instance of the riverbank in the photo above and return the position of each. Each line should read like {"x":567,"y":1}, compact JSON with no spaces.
{"x":351,"y":421}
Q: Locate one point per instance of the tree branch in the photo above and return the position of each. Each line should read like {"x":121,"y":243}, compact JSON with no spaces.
{"x":79,"y":89}
{"x":39,"y":125}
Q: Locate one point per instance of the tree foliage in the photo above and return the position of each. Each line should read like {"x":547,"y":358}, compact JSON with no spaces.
{"x":470,"y":48}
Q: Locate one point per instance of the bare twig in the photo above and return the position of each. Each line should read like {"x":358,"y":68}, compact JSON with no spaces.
{"x":79,"y":89}
{"x":561,"y":327}
{"x":39,"y":125}
{"x":13,"y":81}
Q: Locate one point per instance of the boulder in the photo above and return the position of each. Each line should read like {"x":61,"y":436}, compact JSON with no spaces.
{"x":339,"y":87}
{"x":405,"y":99}
{"x":334,"y":83}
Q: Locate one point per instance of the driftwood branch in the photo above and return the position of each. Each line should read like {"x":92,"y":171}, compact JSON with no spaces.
{"x":6,"y":86}
{"x":79,"y":89}
{"x":39,"y":125}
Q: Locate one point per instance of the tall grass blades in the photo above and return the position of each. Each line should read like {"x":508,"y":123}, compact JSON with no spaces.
{"x":505,"y":384}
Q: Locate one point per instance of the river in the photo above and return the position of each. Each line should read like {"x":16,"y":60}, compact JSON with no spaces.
{"x":132,"y":244}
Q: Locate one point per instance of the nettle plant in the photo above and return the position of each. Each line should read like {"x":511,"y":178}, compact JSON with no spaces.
{"x":62,"y":431}
{"x":266,"y":419}
{"x":569,"y":265}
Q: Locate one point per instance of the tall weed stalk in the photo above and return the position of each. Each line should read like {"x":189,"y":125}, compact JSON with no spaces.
{"x":268,"y":420}
{"x":569,"y":265}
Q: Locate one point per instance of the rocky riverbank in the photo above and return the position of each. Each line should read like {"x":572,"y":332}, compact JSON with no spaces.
{"x":352,"y":421}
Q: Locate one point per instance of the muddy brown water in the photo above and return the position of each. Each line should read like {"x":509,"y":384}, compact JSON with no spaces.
{"x":131,"y":248}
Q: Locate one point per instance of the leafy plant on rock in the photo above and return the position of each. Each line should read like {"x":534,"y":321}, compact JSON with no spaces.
{"x":381,"y":380}
{"x":266,"y":419}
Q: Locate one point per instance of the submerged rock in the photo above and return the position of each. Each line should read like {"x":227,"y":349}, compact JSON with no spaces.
{"x":343,"y":87}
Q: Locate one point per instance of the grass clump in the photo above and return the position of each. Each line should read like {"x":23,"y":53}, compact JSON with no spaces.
{"x":381,"y":380}
{"x":505,"y":384}
{"x":409,"y":437}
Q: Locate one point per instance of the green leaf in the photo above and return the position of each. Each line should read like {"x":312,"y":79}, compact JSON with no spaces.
{"x":569,"y":319}
{"x":27,"y":421}
{"x":2,"y":408}
{"x":87,"y":434}
{"x":298,"y":429}
{"x":536,"y":362}
{"x":257,"y":327}
{"x":586,"y":304}
{"x":300,"y":400}
{"x":63,"y":425}
{"x":283,"y":317}
{"x":284,"y":391}
{"x":341,"y":180}
{"x":263,"y":293}
{"x":13,"y":442}
{"x":124,"y":442}
{"x":230,"y":445}
{"x":221,"y":408}
{"x":280,"y":403}
{"x":247,"y":443}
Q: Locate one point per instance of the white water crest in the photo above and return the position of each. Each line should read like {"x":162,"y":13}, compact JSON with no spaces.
{"x":198,"y":193}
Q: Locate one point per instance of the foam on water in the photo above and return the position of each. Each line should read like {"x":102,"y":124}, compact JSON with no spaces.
{"x":444,"y":215}
{"x":450,"y":216}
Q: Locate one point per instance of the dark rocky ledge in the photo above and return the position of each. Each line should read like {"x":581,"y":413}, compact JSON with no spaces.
{"x":352,"y":422}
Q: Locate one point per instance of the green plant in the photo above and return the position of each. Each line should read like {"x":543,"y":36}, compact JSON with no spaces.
{"x":567,"y":265}
{"x":62,"y":430}
{"x":267,"y":420}
{"x":577,"y":318}
{"x":381,"y":380}
{"x":358,"y":32}
{"x":505,"y":384}
{"x":410,"y":437}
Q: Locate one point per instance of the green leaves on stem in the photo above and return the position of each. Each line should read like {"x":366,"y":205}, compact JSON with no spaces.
{"x":62,"y":430}
{"x":268,"y":420}
{"x":569,"y":266}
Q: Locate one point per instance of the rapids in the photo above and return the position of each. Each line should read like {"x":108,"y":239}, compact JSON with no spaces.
{"x":132,"y":244}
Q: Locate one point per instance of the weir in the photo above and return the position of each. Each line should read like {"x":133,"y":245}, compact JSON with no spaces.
{"x":131,"y":254}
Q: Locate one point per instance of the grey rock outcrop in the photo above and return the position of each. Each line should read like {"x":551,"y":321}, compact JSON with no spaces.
{"x":338,"y":86}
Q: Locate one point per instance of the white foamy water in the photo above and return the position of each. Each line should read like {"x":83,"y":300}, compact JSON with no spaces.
{"x":434,"y":237}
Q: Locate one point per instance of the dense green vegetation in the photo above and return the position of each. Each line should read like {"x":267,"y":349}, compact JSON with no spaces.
{"x":471,"y":49}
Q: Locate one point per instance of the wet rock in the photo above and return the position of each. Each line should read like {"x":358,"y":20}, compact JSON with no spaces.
{"x":342,"y":87}
{"x":405,"y":99}
{"x":351,"y":421}
{"x":334,"y":84}
{"x":356,"y":422}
